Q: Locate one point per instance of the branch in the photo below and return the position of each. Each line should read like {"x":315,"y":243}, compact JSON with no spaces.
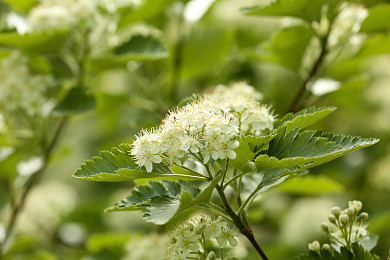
{"x":312,"y":74}
{"x":244,"y":229}
{"x":16,"y":210}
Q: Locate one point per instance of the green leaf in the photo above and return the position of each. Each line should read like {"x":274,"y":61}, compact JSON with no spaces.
{"x":311,"y":185}
{"x":142,"y":47}
{"x":308,"y":10}
{"x":74,"y":102}
{"x":164,"y":209}
{"x":20,"y":5}
{"x":249,"y":147}
{"x":307,"y":149}
{"x":287,"y":47}
{"x":138,"y":47}
{"x":117,"y":165}
{"x":378,"y":44}
{"x":197,"y":59}
{"x":377,"y":20}
{"x":148,"y":9}
{"x":304,"y":118}
{"x":161,"y":201}
{"x":45,"y":42}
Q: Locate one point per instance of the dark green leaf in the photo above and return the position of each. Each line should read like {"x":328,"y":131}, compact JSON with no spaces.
{"x":305,"y":9}
{"x":138,"y":47}
{"x":75,"y":101}
{"x":307,"y":149}
{"x":142,"y":47}
{"x":161,"y":201}
{"x":117,"y":165}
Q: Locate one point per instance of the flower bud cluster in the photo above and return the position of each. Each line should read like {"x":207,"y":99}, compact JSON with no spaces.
{"x":253,"y":118}
{"x":348,"y":226}
{"x":189,"y":239}
{"x":20,"y":89}
{"x":61,"y":14}
{"x":203,"y":128}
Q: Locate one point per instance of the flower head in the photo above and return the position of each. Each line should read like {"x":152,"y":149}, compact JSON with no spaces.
{"x":20,"y":89}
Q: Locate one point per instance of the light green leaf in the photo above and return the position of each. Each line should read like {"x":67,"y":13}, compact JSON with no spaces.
{"x":249,"y":147}
{"x":38,"y":42}
{"x":146,"y":10}
{"x":287,"y":47}
{"x":74,"y":102}
{"x":378,"y":44}
{"x":198,"y":59}
{"x":117,"y":165}
{"x":20,"y":5}
{"x":308,"y":10}
{"x":307,"y":149}
{"x":377,"y":20}
{"x":304,"y":118}
{"x":311,"y":185}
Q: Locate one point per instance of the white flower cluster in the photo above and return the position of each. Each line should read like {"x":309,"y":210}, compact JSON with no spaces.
{"x":348,"y":24}
{"x":240,"y":98}
{"x":348,"y":227}
{"x":203,"y":128}
{"x":19,"y":88}
{"x":188,"y":240}
{"x":62,"y":14}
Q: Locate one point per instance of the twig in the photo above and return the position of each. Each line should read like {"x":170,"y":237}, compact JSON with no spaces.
{"x":31,"y":182}
{"x":312,"y":74}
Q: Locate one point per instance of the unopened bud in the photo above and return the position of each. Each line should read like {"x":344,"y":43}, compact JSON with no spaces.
{"x":356,"y":205}
{"x":211,"y":256}
{"x":325,"y":227}
{"x":344,"y":219}
{"x":314,"y":246}
{"x":190,"y":226}
{"x":326,"y":247}
{"x":350,"y":212}
{"x":335,"y":211}
{"x":363,"y":216}
{"x":332,"y":219}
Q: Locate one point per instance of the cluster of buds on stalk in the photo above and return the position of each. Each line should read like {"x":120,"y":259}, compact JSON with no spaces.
{"x":347,"y":228}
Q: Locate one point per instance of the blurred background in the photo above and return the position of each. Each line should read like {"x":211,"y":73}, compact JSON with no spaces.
{"x":143,"y":57}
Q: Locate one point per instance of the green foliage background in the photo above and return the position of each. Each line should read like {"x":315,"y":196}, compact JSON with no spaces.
{"x":273,"y":48}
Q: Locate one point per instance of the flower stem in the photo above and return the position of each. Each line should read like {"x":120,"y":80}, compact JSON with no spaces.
{"x":244,"y":229}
